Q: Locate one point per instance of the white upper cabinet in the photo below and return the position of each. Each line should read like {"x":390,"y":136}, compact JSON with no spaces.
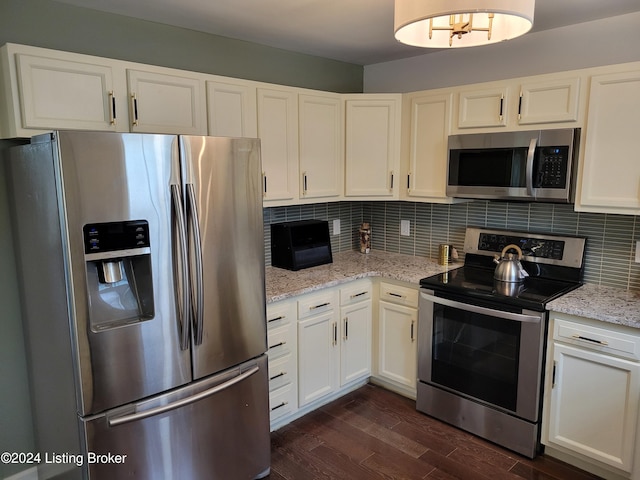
{"x":372,"y":150}
{"x":430,"y":124}
{"x":321,"y":143}
{"x":519,"y":104}
{"x":45,"y":90}
{"x":278,"y":133}
{"x":610,"y":176}
{"x":549,"y":101}
{"x":232,"y":109}
{"x":165,"y":103}
{"x":483,"y":108}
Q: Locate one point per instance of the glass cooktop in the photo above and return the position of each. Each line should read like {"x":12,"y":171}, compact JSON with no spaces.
{"x":474,"y":282}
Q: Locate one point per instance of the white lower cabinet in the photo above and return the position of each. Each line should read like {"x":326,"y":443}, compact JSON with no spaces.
{"x":592,"y":394}
{"x":283,"y":359}
{"x":334,"y":338}
{"x":397,"y":350}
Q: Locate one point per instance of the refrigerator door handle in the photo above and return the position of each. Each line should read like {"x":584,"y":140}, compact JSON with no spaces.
{"x":198,"y":302}
{"x":183,"y":313}
{"x":114,"y":422}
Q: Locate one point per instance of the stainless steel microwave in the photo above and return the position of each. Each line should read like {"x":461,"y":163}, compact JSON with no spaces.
{"x":537,"y":165}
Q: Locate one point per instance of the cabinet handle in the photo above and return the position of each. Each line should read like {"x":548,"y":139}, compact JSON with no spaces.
{"x":279,"y":406}
{"x":412,"y":330}
{"x":409,"y":181}
{"x":281,"y":317}
{"x":346,"y":328}
{"x":592,"y":340}
{"x":112,"y":108}
{"x":313,"y":307}
{"x":304,"y":183}
{"x":397,"y":295}
{"x":391,"y":183}
{"x":501,"y":105}
{"x":281,"y":374}
{"x":277,"y":345}
{"x":520,"y":107}
{"x":553,"y":375}
{"x":134,"y":109}
{"x":355,"y":295}
{"x":264,"y":183}
{"x":335,"y":333}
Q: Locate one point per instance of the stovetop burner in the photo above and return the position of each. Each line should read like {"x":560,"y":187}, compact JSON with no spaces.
{"x":554,"y":264}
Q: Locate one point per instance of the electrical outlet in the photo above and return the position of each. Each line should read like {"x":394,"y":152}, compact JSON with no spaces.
{"x":638,"y":251}
{"x":336,"y":226}
{"x":405,"y":228}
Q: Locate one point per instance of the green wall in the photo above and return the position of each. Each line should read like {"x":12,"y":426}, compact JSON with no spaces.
{"x":49,"y":24}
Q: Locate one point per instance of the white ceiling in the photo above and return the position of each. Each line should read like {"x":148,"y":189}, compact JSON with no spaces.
{"x":354,"y":31}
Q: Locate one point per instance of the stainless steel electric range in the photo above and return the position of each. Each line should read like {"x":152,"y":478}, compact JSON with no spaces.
{"x":482,"y":341}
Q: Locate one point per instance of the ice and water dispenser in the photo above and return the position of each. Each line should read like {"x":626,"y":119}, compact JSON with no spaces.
{"x":119,"y":280}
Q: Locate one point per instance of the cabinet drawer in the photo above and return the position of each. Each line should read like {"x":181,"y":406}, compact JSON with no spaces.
{"x":281,"y":402}
{"x":358,"y":292}
{"x":600,"y":339}
{"x":399,"y":295}
{"x":316,"y":304}
{"x":280,"y":314}
{"x":278,"y":342}
{"x":280,"y":372}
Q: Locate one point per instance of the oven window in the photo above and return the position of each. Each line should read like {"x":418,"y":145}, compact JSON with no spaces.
{"x":476,"y":355}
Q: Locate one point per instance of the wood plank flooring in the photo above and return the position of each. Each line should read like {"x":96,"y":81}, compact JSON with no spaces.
{"x":372,"y":433}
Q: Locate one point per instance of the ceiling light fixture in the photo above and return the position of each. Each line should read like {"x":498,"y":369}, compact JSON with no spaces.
{"x":461,"y":23}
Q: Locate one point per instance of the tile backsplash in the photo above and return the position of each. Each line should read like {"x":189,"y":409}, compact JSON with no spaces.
{"x":610,"y":246}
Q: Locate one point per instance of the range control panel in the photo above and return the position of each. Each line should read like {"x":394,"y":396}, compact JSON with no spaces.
{"x":112,"y":236}
{"x":531,"y":247}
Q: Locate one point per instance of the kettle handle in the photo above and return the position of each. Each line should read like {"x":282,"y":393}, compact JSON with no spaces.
{"x":509,"y":247}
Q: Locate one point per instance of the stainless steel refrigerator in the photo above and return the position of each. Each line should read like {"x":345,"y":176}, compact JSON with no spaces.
{"x":141,"y":264}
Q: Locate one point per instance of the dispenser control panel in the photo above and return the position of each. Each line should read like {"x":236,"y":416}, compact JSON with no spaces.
{"x":112,"y":236}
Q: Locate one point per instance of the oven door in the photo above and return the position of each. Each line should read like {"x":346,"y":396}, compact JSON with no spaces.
{"x":483,"y":353}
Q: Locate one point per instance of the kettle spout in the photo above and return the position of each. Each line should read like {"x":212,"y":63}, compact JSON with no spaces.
{"x":496,"y":259}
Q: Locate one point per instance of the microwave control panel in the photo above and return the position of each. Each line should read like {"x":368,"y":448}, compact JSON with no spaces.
{"x":551,"y":167}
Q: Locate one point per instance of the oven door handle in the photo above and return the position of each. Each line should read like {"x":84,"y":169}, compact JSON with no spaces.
{"x":518,"y":317}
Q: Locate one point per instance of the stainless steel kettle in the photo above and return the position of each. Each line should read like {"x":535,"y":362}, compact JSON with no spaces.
{"x":509,"y":268}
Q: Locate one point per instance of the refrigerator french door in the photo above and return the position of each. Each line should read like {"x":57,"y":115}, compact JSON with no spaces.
{"x":142,"y":270}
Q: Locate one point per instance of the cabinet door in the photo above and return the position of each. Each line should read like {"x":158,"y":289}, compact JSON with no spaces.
{"x":372,"y":150}
{"x":278,"y":132}
{"x":355,"y":348}
{"x":483,"y":108}
{"x":430,"y":128}
{"x":59,"y":94}
{"x":317,"y":357}
{"x":232,"y":110}
{"x":549,"y":102}
{"x":321,"y":146}
{"x":611,"y":170}
{"x":594,"y":405}
{"x":397,"y":349}
{"x":161,"y":103}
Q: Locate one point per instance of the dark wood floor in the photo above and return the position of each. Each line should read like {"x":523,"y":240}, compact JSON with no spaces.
{"x":373,"y":433}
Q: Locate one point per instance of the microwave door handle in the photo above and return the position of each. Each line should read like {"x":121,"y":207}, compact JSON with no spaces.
{"x":530,"y":155}
{"x":518,"y":317}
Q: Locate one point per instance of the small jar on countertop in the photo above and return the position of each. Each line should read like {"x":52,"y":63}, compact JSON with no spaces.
{"x":365,"y":238}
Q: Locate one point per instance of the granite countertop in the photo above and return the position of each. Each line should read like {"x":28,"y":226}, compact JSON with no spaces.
{"x":347,"y":266}
{"x":607,"y":304}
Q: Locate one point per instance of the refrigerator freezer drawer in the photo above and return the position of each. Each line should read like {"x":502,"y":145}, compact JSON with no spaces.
{"x":217,"y":428}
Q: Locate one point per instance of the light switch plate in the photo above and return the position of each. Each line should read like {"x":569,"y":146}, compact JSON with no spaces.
{"x":336,"y":226}
{"x":638,"y":251}
{"x":405,"y":228}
